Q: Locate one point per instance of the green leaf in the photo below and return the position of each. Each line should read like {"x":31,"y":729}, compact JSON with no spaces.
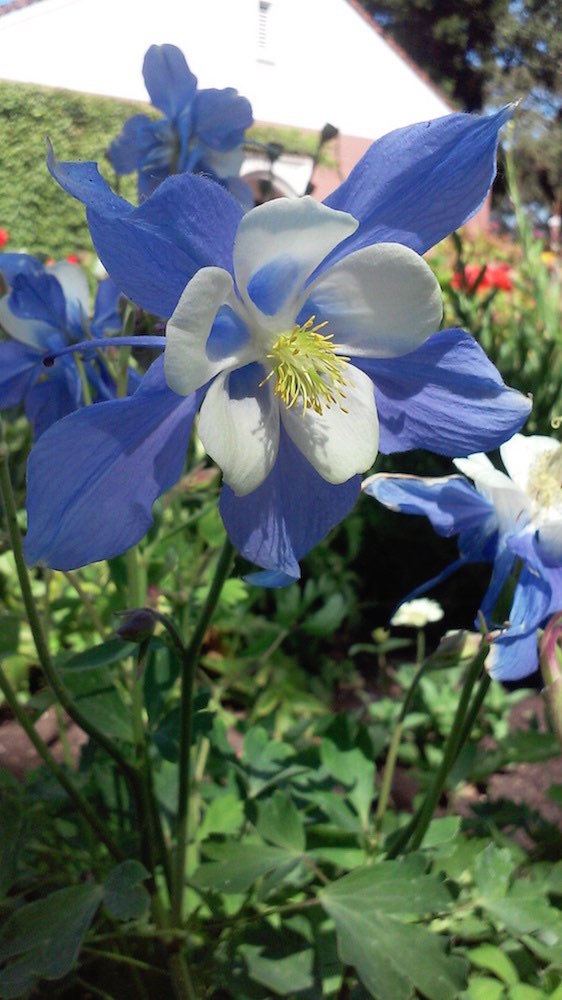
{"x":522,"y":991}
{"x":237,"y":866}
{"x":521,"y":907}
{"x":493,"y":959}
{"x":328,"y":618}
{"x":285,"y":975}
{"x":492,"y":871}
{"x":159,"y":677}
{"x":102,"y":655}
{"x":9,"y":632}
{"x":390,"y":957}
{"x":355,"y":771}
{"x":109,"y":714}
{"x":441,"y":831}
{"x":523,"y":910}
{"x":167,"y":735}
{"x":45,"y":937}
{"x":124,"y":895}
{"x":483,"y":988}
{"x":392,"y":887}
{"x":211,"y":529}
{"x":95,"y":693}
{"x":279,"y":822}
{"x":225,"y":814}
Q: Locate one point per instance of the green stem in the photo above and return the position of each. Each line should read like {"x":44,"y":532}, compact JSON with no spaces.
{"x":46,"y":756}
{"x":89,"y":605}
{"x":86,"y":390}
{"x":62,"y":694}
{"x":390,"y":764}
{"x":475,"y":707}
{"x":181,"y":979}
{"x":460,"y":732}
{"x":188,"y":667}
{"x":152,"y":835}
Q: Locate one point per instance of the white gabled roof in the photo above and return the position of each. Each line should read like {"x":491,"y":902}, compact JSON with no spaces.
{"x":321,"y":60}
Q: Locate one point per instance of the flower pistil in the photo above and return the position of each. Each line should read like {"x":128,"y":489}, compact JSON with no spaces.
{"x":306,"y":368}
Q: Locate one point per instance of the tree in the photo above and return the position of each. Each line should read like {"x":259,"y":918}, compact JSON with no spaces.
{"x":528,"y":68}
{"x":453,"y":44}
{"x":485,"y":53}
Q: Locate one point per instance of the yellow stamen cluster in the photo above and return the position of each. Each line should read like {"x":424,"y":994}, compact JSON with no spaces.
{"x":307,"y":369}
{"x":545,"y":479}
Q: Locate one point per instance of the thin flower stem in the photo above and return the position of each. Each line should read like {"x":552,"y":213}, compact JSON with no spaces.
{"x":392,"y":755}
{"x":86,"y":390}
{"x":46,"y":756}
{"x":458,"y":736}
{"x":188,"y":668}
{"x":89,"y":605}
{"x":154,"y":846}
{"x":475,"y":707}
{"x":63,"y":737}
{"x":60,"y":691}
{"x":181,"y":979}
{"x":115,"y":956}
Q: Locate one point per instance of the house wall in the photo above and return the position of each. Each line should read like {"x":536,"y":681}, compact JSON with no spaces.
{"x":301,"y":63}
{"x":322,"y":60}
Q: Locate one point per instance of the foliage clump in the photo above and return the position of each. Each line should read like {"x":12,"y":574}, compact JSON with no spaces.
{"x":39,"y":216}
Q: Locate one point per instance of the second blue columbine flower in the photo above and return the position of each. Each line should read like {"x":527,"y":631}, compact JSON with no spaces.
{"x":305,"y":332}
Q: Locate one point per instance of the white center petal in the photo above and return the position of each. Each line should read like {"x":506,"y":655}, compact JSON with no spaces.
{"x":513,"y":507}
{"x":74,"y":284}
{"x":380,"y":302}
{"x":278,"y":246}
{"x":338,"y":443}
{"x":188,"y":365}
{"x":520,"y":453}
{"x":28,"y":331}
{"x":240,"y":434}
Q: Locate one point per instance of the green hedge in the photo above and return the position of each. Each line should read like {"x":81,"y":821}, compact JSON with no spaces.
{"x":39,"y":216}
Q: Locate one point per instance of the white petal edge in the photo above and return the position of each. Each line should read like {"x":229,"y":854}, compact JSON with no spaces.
{"x":512,"y":505}
{"x":473,"y":465}
{"x":521,"y":451}
{"x":186,"y":363}
{"x":240,"y":435}
{"x":32,"y":332}
{"x":550,"y":541}
{"x":74,"y":284}
{"x":338,"y":445}
{"x":380,"y":302}
{"x":301,"y":231}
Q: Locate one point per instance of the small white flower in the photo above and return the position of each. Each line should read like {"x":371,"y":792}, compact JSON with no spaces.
{"x":418,"y":613}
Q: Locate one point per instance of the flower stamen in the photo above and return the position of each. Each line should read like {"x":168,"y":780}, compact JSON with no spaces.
{"x":545,"y":480}
{"x":307,"y":369}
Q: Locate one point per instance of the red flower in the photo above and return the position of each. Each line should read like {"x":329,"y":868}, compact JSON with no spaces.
{"x":73,"y":259}
{"x":497,"y":275}
{"x":4,"y":237}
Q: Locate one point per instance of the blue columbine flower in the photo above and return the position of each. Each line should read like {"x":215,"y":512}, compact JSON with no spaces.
{"x":292,"y":405}
{"x":43,"y":309}
{"x":201,"y":132}
{"x":513,"y":521}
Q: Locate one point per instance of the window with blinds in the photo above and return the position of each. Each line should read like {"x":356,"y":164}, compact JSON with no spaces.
{"x":265,"y":48}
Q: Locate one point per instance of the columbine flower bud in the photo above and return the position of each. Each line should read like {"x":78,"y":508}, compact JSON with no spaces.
{"x":138,"y":625}
{"x":456,"y":646}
